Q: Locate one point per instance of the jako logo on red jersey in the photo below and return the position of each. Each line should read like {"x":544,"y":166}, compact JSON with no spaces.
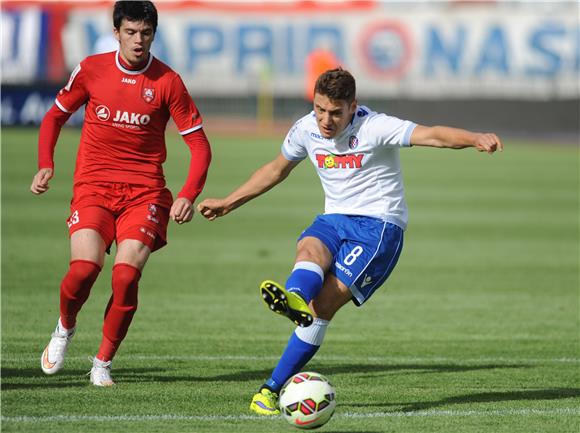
{"x":340,"y":161}
{"x":103,"y":113}
{"x":132,"y":118}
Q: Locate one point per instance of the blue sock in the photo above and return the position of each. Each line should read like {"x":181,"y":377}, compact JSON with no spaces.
{"x":302,"y":346}
{"x":296,"y":355}
{"x":305,"y":280}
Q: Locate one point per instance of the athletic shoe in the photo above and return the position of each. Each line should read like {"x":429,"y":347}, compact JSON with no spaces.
{"x":52,"y":358}
{"x":265,"y":402}
{"x":288,"y":304}
{"x":101,"y":373}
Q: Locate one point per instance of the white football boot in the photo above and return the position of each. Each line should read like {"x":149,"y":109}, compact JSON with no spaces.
{"x":52,"y":358}
{"x":101,"y":373}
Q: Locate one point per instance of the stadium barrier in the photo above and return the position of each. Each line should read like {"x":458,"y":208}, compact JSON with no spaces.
{"x":248,"y":60}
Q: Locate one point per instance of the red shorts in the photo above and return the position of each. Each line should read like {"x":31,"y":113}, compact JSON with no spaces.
{"x":120,"y":211}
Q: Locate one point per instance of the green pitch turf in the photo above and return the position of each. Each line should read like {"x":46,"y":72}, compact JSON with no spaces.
{"x":475,"y":331}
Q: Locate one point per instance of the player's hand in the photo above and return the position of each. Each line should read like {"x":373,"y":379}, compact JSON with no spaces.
{"x":40,"y":181}
{"x":181,"y":211}
{"x":212,"y":208}
{"x":488,"y":142}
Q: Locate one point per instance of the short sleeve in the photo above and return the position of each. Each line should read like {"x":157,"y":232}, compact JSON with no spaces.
{"x":75,"y":94}
{"x":390,"y":131}
{"x":182,"y":108}
{"x":293,"y":147}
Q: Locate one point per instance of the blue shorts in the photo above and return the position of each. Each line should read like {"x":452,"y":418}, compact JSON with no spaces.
{"x":365,"y":250}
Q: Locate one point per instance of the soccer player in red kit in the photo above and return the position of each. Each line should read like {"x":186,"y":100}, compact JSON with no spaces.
{"x":119,"y":191}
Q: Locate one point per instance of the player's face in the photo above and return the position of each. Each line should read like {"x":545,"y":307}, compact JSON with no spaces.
{"x":135,"y":39}
{"x":332,"y":116}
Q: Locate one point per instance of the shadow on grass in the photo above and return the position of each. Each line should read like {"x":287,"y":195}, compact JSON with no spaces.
{"x":29,"y":378}
{"x":374,"y":369}
{"x":15,"y":378}
{"x":484,"y":397}
{"x":144,"y":374}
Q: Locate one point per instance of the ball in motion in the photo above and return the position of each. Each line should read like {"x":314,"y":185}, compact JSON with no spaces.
{"x":307,"y":400}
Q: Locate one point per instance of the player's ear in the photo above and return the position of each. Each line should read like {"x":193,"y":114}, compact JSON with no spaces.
{"x":116,"y":34}
{"x":353,"y":106}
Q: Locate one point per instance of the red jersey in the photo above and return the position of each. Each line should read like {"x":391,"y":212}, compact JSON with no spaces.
{"x":126,"y":113}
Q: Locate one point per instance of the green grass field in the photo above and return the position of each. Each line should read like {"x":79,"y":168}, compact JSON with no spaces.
{"x":477,"y":330}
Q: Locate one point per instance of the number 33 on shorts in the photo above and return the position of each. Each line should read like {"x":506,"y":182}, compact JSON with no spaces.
{"x":73,"y":219}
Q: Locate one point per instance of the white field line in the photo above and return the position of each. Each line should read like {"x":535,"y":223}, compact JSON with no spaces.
{"x":571,"y":411}
{"x":337,"y":358}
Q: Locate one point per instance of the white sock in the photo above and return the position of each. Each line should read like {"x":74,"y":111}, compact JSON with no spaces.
{"x":62,"y":330}
{"x":313,"y":334}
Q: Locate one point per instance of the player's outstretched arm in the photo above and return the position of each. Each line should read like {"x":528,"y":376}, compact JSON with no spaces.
{"x":455,"y":138}
{"x":40,"y":181}
{"x":263,"y":179}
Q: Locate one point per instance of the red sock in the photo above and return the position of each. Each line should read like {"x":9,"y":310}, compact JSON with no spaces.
{"x":120,"y":310}
{"x":75,"y":288}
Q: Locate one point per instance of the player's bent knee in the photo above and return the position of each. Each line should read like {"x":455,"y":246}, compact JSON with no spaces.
{"x":125,"y":284}
{"x":75,"y":288}
{"x":81,"y":273}
{"x":313,"y":250}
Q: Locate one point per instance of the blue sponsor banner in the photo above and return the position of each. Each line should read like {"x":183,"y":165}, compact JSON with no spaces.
{"x":27,"y":106}
{"x":417,"y":50}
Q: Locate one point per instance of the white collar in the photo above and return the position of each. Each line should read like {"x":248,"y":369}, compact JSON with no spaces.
{"x":129,"y":71}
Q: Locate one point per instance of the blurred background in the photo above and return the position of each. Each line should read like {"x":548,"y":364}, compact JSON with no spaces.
{"x":508,"y":66}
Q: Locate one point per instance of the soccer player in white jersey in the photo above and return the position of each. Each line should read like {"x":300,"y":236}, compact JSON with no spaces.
{"x":349,"y":251}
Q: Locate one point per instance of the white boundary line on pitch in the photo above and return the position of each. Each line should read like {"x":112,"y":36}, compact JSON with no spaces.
{"x":429,"y":413}
{"x":391,"y":359}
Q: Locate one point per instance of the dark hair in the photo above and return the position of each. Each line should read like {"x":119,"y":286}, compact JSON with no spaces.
{"x":135,"y":11}
{"x":337,"y":84}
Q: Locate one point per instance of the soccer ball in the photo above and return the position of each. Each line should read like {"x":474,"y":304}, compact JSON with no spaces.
{"x":307,"y":400}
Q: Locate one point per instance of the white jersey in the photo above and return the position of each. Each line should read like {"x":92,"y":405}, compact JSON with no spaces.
{"x":359,"y":168}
